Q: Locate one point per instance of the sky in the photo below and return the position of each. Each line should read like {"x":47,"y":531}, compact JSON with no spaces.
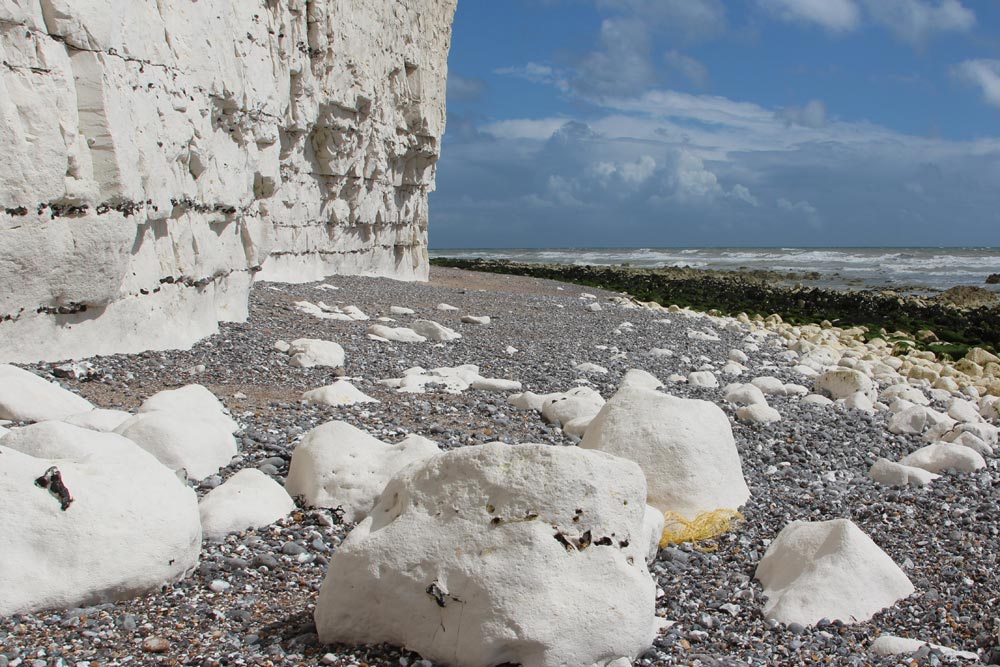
{"x":684,"y":123}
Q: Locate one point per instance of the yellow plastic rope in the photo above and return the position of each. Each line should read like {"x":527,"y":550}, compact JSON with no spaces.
{"x":705,"y":526}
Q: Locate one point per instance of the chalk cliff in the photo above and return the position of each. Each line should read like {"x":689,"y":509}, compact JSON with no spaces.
{"x":156,"y":154}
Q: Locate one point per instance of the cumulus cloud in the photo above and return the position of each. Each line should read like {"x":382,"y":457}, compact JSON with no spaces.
{"x":462,"y":89}
{"x":670,"y":168}
{"x":832,"y":15}
{"x":623,"y":63}
{"x":812,"y":114}
{"x":537,"y":73}
{"x":982,"y":73}
{"x":690,"y":68}
{"x":803,"y":209}
{"x":683,"y":20}
{"x":914,"y":21}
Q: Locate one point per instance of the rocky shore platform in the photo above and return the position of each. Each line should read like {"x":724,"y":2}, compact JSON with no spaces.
{"x":886,"y":450}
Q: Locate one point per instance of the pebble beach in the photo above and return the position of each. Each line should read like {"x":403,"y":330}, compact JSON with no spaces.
{"x":251,"y":599}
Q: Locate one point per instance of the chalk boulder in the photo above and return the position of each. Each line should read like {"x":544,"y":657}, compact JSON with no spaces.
{"x":248,"y":499}
{"x":758,"y":414}
{"x":636,"y":377}
{"x":685,"y":448}
{"x":886,"y":472}
{"x":26,"y":397}
{"x":338,"y":465}
{"x":843,"y":382}
{"x":182,"y":441}
{"x":340,"y":392}
{"x":311,"y":352}
{"x":192,"y":400}
{"x":574,"y":404}
{"x":475,"y":557}
{"x":88,"y":518}
{"x":943,"y":455}
{"x":431,"y":330}
{"x":394,"y":334}
{"x":99,"y":419}
{"x":828,"y":569}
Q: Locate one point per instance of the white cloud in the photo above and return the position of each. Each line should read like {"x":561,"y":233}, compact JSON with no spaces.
{"x":742,"y":193}
{"x":622,"y":64}
{"x":684,"y":20}
{"x":628,"y":173}
{"x":461,"y":88}
{"x":914,"y":21}
{"x":538,"y":129}
{"x":812,"y":114}
{"x":832,"y":15}
{"x":692,"y":69}
{"x":982,"y":73}
{"x":537,"y":73}
{"x":801,"y":208}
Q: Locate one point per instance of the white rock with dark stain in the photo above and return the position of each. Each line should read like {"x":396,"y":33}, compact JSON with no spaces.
{"x":110,"y":523}
{"x":484,"y":549}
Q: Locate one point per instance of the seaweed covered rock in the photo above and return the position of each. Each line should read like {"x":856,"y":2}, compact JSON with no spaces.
{"x":491,"y":554}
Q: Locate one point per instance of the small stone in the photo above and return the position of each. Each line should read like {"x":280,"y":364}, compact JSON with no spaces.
{"x":155,"y":645}
{"x":292,"y":549}
{"x":219,"y":586}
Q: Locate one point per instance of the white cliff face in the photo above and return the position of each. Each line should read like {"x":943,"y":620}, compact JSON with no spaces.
{"x":157,"y":155}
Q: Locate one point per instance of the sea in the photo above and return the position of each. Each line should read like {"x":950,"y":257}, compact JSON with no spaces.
{"x":906,"y":270}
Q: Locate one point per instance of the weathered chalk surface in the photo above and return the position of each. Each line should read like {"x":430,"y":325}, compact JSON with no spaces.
{"x":157,"y":156}
{"x":88,"y":517}
{"x":492,"y":554}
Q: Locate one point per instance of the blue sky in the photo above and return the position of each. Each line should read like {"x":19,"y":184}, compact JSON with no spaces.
{"x":576,"y":123}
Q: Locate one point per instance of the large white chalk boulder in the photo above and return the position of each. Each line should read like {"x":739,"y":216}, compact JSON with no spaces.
{"x":828,"y":569}
{"x":182,"y":441}
{"x":248,"y":499}
{"x":339,"y":465}
{"x":311,"y":352}
{"x":26,"y":397}
{"x":943,"y":455}
{"x":843,"y":382}
{"x":192,"y":400}
{"x":88,"y":518}
{"x":892,"y":645}
{"x":685,"y":447}
{"x":490,"y":554}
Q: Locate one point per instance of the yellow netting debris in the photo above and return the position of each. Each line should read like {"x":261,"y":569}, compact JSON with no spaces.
{"x":705,"y":526}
